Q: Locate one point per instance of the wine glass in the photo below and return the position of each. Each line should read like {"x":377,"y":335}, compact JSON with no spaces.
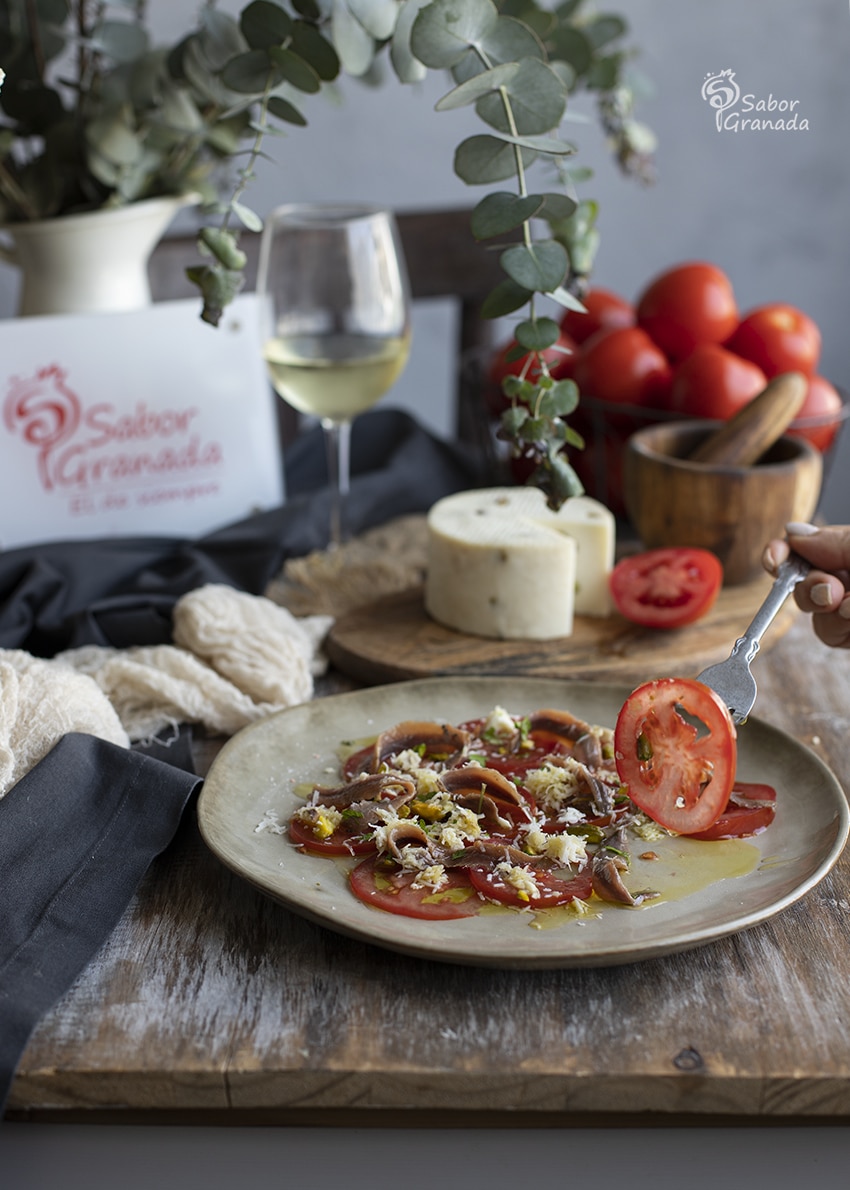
{"x":337,"y":312}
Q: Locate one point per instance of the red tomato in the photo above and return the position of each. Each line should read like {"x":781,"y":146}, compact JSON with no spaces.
{"x":380,"y":882}
{"x":679,"y":774}
{"x":750,"y":810}
{"x":553,"y":889}
{"x":666,"y":588}
{"x":822,"y":410}
{"x":341,"y":842}
{"x":686,"y":306}
{"x":605,"y":311}
{"x":623,"y":366}
{"x":713,"y":382}
{"x":778,"y":338}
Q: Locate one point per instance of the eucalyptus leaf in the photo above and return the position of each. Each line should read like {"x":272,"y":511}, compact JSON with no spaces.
{"x":566,"y":299}
{"x":446,"y":29}
{"x":121,"y":40}
{"x":534,"y":429}
{"x":483,"y":159}
{"x":556,"y":207}
{"x":221,"y":38}
{"x":504,"y":299}
{"x":566,"y":73}
{"x":541,"y":266}
{"x":223,"y":246}
{"x":295,"y":70}
{"x":481,"y":84}
{"x":561,"y":482}
{"x":512,"y":420}
{"x":378,"y":17}
{"x":179,"y":112}
{"x":355,"y":47}
{"x":560,"y":400}
{"x":284,"y":110}
{"x":407,"y":67}
{"x":501,"y":212}
{"x":316,"y":50}
{"x":551,"y":145}
{"x":536,"y":334}
{"x":264,"y":24}
{"x":605,"y":73}
{"x":604,"y":29}
{"x":246,"y":216}
{"x":509,"y":40}
{"x":113,"y":139}
{"x":250,"y":73}
{"x":536,"y":95}
{"x":218,"y":286}
{"x":197,"y":72}
{"x":572,"y":46}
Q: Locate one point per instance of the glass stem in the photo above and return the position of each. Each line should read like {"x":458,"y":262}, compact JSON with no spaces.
{"x":337,"y":446}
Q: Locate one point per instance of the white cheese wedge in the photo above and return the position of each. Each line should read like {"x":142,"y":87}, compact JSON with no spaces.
{"x":503,"y":564}
{"x":594,"y":528}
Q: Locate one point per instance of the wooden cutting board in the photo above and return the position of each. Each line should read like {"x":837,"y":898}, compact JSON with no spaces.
{"x":393,"y":639}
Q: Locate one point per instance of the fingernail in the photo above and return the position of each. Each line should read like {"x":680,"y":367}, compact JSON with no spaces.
{"x":844,"y":609}
{"x":768,"y":559}
{"x":801,"y":529}
{"x":821,"y":594}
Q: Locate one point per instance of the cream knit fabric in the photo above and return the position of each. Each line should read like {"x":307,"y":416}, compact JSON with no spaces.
{"x":237,"y":658}
{"x":39,"y":703}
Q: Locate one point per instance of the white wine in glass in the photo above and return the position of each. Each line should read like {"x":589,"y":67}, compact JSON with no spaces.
{"x":337,"y":307}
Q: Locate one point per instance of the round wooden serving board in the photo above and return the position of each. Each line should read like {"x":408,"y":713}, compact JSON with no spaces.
{"x":393,"y":639}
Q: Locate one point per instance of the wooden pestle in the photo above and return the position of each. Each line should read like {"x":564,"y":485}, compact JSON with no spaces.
{"x":743,"y":439}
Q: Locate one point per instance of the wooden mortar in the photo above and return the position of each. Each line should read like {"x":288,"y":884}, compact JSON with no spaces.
{"x":673,"y":499}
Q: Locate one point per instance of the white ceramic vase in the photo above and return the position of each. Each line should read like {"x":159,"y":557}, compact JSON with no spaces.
{"x":93,"y":262}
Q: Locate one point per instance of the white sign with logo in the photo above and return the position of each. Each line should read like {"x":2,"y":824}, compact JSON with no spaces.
{"x":144,"y":423}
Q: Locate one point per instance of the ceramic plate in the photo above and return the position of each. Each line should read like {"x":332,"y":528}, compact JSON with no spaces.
{"x":257,"y":771}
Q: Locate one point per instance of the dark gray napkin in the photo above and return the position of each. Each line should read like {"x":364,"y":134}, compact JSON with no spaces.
{"x":121,"y":592}
{"x":77,"y":834}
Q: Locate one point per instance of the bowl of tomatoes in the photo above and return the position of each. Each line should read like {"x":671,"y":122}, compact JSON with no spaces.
{"x":683,"y":350}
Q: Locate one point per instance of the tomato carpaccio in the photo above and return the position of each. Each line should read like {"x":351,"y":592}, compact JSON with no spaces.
{"x":528,"y":812}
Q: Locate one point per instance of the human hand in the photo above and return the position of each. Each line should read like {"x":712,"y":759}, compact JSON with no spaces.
{"x":825,"y":591}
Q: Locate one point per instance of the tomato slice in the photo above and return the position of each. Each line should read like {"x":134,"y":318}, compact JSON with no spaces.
{"x":666,"y":588}
{"x":380,"y":882}
{"x":552,"y":888}
{"x":750,"y":810}
{"x":679,"y":773}
{"x":341,"y":842}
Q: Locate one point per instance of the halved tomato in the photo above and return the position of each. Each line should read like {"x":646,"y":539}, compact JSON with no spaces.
{"x":666,"y":588}
{"x":552,"y":889}
{"x":382,"y":883}
{"x":675,"y":749}
{"x":750,"y":810}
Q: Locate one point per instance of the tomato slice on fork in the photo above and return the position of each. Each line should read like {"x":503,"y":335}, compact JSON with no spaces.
{"x":675,"y":749}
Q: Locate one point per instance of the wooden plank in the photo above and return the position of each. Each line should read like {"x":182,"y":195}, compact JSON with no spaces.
{"x":394,"y":638}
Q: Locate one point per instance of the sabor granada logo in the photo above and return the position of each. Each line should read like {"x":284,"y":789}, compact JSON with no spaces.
{"x":748,"y":112}
{"x":93,"y":448}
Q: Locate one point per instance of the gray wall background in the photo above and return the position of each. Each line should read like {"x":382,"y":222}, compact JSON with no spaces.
{"x":767,"y":206}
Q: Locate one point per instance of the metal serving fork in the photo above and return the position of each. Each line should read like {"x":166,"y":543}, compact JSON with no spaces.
{"x":732,"y":679}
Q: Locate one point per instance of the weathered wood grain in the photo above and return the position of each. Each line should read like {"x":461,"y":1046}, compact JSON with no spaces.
{"x":210,"y":1002}
{"x":394,"y":638}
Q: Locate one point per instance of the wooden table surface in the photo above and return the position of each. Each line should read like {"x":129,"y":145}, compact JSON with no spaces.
{"x":211,"y":1003}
